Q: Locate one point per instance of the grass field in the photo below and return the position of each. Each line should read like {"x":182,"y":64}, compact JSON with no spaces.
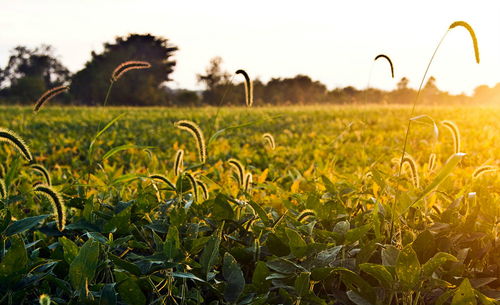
{"x":324,"y":219}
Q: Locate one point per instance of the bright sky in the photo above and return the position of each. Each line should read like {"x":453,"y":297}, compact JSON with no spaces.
{"x":331,"y":41}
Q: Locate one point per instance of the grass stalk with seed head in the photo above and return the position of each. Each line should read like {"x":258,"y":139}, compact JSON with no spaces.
{"x":10,"y":137}
{"x":204,"y":189}
{"x":248,"y":182}
{"x":388,"y":60}
{"x":483,"y":170}
{"x":195,"y":131}
{"x":240,"y":170}
{"x":270,"y":140}
{"x":3,"y":189}
{"x":407,"y":133}
{"x":48,"y":95}
{"x":179,"y":162}
{"x":194,"y":185}
{"x":305,"y":214}
{"x":56,"y":202}
{"x":410,"y":163}
{"x":248,"y":87}
{"x":43,"y":171}
{"x":432,"y":162}
{"x":163,"y":179}
{"x":455,"y":133}
{"x":127,"y":66}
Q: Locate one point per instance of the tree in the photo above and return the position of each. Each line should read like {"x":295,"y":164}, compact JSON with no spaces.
{"x":216,"y":81}
{"x":29,"y":72}
{"x":141,"y":87}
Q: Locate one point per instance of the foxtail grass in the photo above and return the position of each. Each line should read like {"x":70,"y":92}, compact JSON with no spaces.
{"x":194,"y":185}
{"x":43,"y":171}
{"x":195,"y":131}
{"x":2,"y":171}
{"x":388,"y":59}
{"x":248,"y":88}
{"x":432,"y":162}
{"x":270,"y":140}
{"x":305,"y":214}
{"x":483,"y":170}
{"x":3,"y":189}
{"x":56,"y":201}
{"x":204,"y":189}
{"x":407,"y":133}
{"x":127,"y":66}
{"x":15,"y":140}
{"x":248,"y":182}
{"x":163,"y":179}
{"x":455,"y":133}
{"x":240,"y":170}
{"x":179,"y":162}
{"x":48,"y":95}
{"x":411,"y":164}
{"x":472,"y":36}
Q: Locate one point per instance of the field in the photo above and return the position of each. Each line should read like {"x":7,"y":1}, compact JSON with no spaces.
{"x":324,"y":217}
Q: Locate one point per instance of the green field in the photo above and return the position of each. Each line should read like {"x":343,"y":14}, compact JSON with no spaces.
{"x":324,"y":220}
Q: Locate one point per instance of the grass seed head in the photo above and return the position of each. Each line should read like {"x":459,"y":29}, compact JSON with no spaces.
{"x":163,"y":179}
{"x":179,"y":162}
{"x":194,"y":185}
{"x":240,"y":170}
{"x":270,"y":140}
{"x":248,"y":182}
{"x":56,"y":201}
{"x":43,"y":171}
{"x":3,"y":189}
{"x":204,"y":189}
{"x":194,"y":130}
{"x":472,"y":35}
{"x":432,"y":162}
{"x":15,"y":140}
{"x":388,"y":59}
{"x":49,"y":94}
{"x":127,"y":66}
{"x":411,"y":164}
{"x":248,"y":87}
{"x":455,"y":133}
{"x":483,"y":170}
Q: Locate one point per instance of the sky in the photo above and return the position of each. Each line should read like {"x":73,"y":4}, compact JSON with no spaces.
{"x":334,"y":42}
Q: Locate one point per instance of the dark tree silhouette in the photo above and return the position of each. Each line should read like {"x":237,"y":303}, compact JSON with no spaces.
{"x":140,"y":87}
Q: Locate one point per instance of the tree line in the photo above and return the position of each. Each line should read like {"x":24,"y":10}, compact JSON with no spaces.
{"x":31,"y":71}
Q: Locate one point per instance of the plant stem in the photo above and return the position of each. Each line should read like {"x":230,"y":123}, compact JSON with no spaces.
{"x":407,"y":135}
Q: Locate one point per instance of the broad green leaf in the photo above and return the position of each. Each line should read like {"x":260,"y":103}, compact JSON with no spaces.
{"x":129,"y":290}
{"x":302,"y":284}
{"x":356,"y":234}
{"x":441,"y":176}
{"x":24,"y":224}
{"x":260,"y":211}
{"x":14,"y":262}
{"x":235,"y":281}
{"x":297,"y":245}
{"x":172,"y":245}
{"x":84,"y":265}
{"x":389,"y":255}
{"x":221,"y":208}
{"x":464,"y":295}
{"x":356,"y":298}
{"x":408,"y":268}
{"x":379,"y":272}
{"x":210,"y":253}
{"x":259,"y":281}
{"x":354,"y":282}
{"x":108,"y":295}
{"x":437,"y":260}
{"x":425,"y":246}
{"x":70,"y":249}
{"x":120,"y":221}
{"x":125,"y":265}
{"x":185,"y":275}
